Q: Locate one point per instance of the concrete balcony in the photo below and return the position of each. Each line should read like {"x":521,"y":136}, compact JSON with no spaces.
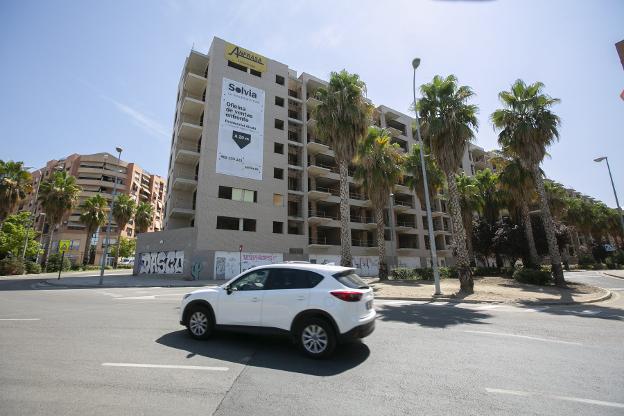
{"x":312,"y":102}
{"x":322,"y":243}
{"x":190,"y":130}
{"x":319,"y":193}
{"x":318,"y":170}
{"x":184,"y":184}
{"x":177,"y":212}
{"x":194,"y":83}
{"x":188,"y":157}
{"x":192,"y":105}
{"x":402,"y":206}
{"x":317,"y":147}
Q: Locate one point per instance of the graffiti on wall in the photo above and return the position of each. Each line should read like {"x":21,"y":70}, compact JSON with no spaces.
{"x":365,"y":265}
{"x":230,"y":263}
{"x":162,"y":262}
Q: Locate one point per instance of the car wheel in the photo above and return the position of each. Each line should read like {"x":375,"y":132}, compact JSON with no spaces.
{"x":199,"y":322}
{"x":316,"y":338}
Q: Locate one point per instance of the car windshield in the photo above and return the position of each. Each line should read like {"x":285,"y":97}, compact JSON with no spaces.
{"x":351,"y":280}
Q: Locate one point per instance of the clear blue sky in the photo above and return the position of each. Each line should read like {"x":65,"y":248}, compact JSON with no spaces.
{"x":85,"y":76}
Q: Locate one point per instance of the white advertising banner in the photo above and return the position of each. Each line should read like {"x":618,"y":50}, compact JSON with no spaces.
{"x":240,"y":143}
{"x":229,"y":263}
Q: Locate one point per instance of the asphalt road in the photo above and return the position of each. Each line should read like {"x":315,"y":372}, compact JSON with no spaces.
{"x":121,"y":351}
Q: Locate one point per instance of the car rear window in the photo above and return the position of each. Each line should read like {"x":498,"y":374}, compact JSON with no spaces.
{"x":350,"y":280}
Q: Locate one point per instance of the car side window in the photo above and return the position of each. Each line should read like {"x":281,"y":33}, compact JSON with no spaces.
{"x":283,"y":278}
{"x":255,"y":280}
{"x":313,"y":279}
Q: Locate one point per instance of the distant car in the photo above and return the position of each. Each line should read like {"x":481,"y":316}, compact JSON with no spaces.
{"x":319,"y":306}
{"x":127,"y":261}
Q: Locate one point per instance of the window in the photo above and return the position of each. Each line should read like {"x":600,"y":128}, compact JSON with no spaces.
{"x":279,"y":101}
{"x":280,"y":80}
{"x":278,"y":148}
{"x":278,"y":227}
{"x":278,"y":173}
{"x":282,"y":278}
{"x":278,"y":200}
{"x":237,"y":66}
{"x":252,"y":281}
{"x":255,"y":73}
{"x":350,"y":280}
{"x":237,"y":194}
{"x":227,"y":223}
{"x":279,"y":124}
{"x":249,"y":224}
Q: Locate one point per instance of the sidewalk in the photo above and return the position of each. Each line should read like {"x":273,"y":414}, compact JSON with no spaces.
{"x":491,"y":290}
{"x":128,"y":280}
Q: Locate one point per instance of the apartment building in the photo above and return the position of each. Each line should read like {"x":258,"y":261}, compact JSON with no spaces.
{"x":250,"y":182}
{"x":96,"y":174}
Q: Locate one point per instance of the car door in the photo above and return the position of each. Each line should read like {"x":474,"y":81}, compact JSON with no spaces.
{"x":243,"y":304}
{"x":287,"y":293}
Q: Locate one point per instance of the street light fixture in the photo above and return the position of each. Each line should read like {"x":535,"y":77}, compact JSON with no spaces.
{"x":110,"y":219}
{"x":432,"y":244}
{"x":605,"y":158}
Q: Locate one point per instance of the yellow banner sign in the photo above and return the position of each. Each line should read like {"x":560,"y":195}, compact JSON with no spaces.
{"x":245,"y":57}
{"x":64,"y":246}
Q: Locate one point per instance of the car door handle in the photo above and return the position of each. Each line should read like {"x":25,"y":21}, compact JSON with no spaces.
{"x":255,"y":299}
{"x":301,"y":297}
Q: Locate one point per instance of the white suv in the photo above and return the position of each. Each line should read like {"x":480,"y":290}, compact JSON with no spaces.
{"x":318,"y":305}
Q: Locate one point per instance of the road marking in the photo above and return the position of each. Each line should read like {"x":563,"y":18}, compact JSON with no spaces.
{"x":500,"y":334}
{"x":566,"y":398}
{"x":19,"y":319}
{"x":178,"y":367}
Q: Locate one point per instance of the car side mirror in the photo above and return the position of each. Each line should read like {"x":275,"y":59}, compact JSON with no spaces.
{"x":229,"y":289}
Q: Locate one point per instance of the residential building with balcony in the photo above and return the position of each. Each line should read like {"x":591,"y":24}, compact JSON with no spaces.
{"x":96,"y":174}
{"x":229,"y":208}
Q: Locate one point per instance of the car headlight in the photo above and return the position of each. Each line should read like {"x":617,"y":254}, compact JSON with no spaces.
{"x":186,"y":296}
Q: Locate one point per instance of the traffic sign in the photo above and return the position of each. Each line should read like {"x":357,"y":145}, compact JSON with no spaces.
{"x":63,"y":246}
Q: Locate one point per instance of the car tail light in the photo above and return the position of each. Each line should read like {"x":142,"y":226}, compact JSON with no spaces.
{"x":347,"y":295}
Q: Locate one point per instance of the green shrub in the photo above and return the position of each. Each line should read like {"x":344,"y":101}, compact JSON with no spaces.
{"x":404,"y":273}
{"x":486,"y":271}
{"x":124,"y":266}
{"x":11,"y":265}
{"x":32,"y":267}
{"x":599,"y":266}
{"x":76,"y":266}
{"x":585,"y":259}
{"x":54,"y":262}
{"x":448,"y":273}
{"x":532,"y":276}
{"x":424,"y":274}
{"x":508,"y":271}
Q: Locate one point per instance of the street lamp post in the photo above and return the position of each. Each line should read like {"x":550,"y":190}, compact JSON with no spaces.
{"x":110,"y":219}
{"x":617,"y":202}
{"x":432,"y":244}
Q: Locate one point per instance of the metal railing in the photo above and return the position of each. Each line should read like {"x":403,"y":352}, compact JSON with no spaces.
{"x":362,"y":219}
{"x":362,"y":243}
{"x":324,"y":189}
{"x":324,"y":241}
{"x":323,"y":214}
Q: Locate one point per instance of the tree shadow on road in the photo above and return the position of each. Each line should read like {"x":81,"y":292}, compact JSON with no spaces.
{"x":267,"y":352}
{"x":430,"y":315}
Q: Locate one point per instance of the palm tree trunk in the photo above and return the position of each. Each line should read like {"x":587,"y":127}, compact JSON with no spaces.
{"x":85,"y":255}
{"x":459,"y":236}
{"x":345,"y":216}
{"x":528,"y":233}
{"x":381,"y":244}
{"x":549,"y":228}
{"x":118,"y":246}
{"x":47,"y":257}
{"x":467,"y":220}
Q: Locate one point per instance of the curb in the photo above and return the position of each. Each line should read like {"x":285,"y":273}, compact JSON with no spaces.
{"x":612,"y":275}
{"x":61,"y":283}
{"x":604,"y":297}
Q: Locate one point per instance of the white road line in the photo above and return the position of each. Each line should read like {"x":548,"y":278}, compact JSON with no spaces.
{"x":500,"y":334}
{"x":178,"y":367}
{"x":19,"y":319}
{"x":566,"y":398}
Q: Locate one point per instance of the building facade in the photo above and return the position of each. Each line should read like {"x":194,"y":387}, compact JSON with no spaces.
{"x":250,"y":182}
{"x":96,"y":174}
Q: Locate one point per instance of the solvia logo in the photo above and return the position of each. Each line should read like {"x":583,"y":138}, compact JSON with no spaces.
{"x":241,"y":90}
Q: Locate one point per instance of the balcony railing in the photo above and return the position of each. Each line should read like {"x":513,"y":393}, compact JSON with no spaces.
{"x":324,"y":241}
{"x":293,"y":114}
{"x":323,"y":214}
{"x":357,"y":195}
{"x":325,"y":189}
{"x":362,"y":219}
{"x":294,"y":137}
{"x":410,"y":224}
{"x":362,"y":243}
{"x":293,"y":93}
{"x":404,"y":204}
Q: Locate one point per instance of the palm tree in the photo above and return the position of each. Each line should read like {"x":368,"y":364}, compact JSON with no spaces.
{"x":470,"y":201}
{"x":343,"y":118}
{"x":93,"y":216}
{"x":58,"y":196}
{"x":15,"y":183}
{"x":435,"y":177}
{"x":379,"y":166}
{"x":448,"y":124}
{"x":519,"y":189}
{"x":122,"y":213}
{"x":489,"y":194}
{"x":527,"y":127}
{"x":143,"y":217}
